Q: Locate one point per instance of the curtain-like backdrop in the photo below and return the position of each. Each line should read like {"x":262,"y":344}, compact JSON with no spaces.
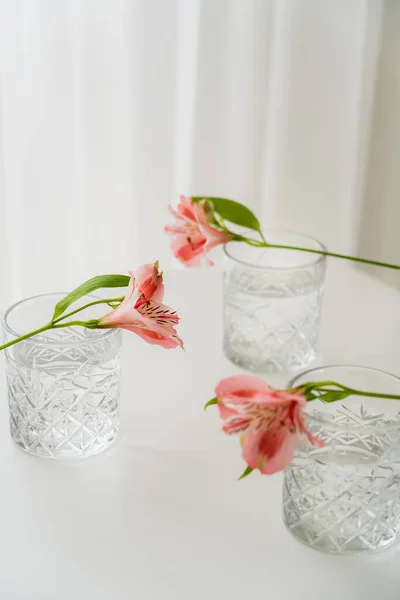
{"x":109,"y":109}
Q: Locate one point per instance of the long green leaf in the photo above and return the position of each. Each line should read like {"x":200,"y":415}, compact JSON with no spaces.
{"x":100,"y":281}
{"x":234,"y":212}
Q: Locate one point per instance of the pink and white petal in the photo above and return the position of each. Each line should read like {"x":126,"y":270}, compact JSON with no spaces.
{"x":144,"y":272}
{"x":225,"y":412}
{"x":181,"y":240}
{"x":126,"y":315}
{"x":160,"y":313}
{"x":242,"y":388}
{"x":164,"y":330}
{"x":283,"y":457}
{"x":155,"y":338}
{"x":306,"y":438}
{"x":188,"y":252}
{"x":149,"y":282}
{"x":175,"y":229}
{"x":177,"y":215}
{"x":196,"y":261}
{"x":186,"y":208}
{"x":158,"y":294}
{"x":298,"y":398}
{"x":270,"y":451}
{"x":210,"y":245}
{"x":124,"y":311}
{"x":214,"y":236}
{"x":236,"y":424}
{"x":209,"y":262}
{"x":130,"y":292}
{"x":279,"y":398}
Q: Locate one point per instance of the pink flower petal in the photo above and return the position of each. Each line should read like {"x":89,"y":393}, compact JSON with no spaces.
{"x":176,"y":214}
{"x":280,"y":397}
{"x":124,"y":310}
{"x":144,"y":272}
{"x":126,"y":318}
{"x":130,"y":291}
{"x":305,"y":436}
{"x":196,"y":261}
{"x":193,"y":236}
{"x":175,"y":229}
{"x":214,"y":236}
{"x":142,"y":312}
{"x":152,"y":337}
{"x":236,"y":424}
{"x":270,"y":451}
{"x":189,"y":251}
{"x":149,"y":282}
{"x":244,"y":387}
{"x":187,"y":208}
{"x":160,"y":313}
{"x":225,"y":412}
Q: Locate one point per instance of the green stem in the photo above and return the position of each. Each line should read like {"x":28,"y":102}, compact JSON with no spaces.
{"x":262,"y":236}
{"x":368,"y":394}
{"x":26,"y":336}
{"x":310,"y":385}
{"x":89,"y":324}
{"x":240,"y":238}
{"x":264,"y":244}
{"x":105,"y":301}
{"x":333,"y":254}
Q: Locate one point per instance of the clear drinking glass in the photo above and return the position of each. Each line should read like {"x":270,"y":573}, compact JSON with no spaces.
{"x":63,"y":385}
{"x":345,"y":497}
{"x":272,"y":303}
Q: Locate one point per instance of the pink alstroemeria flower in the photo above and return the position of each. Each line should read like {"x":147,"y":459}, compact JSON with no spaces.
{"x":193,"y":235}
{"x":141,"y":310}
{"x":269,"y":421}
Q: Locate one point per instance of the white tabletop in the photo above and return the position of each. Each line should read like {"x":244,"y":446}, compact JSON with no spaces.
{"x":161,"y":515}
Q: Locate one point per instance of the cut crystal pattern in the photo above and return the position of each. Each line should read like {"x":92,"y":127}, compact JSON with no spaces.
{"x":345,"y":497}
{"x":63,"y":392}
{"x":271,"y":317}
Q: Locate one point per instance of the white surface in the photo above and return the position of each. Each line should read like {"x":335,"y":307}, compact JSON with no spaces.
{"x":109,"y":109}
{"x":161,"y":515}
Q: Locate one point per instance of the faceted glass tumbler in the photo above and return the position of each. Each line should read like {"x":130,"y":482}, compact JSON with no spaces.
{"x":272,"y":303}
{"x":345,"y":497}
{"x":63,"y":385}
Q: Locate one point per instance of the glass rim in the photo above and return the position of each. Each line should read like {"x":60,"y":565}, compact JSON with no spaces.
{"x":102,"y":334}
{"x":319,"y":259}
{"x":291,"y":383}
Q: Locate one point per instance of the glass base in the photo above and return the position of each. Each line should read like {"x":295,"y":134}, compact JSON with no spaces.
{"x":67,"y":452}
{"x":355,"y":546}
{"x":342,"y":502}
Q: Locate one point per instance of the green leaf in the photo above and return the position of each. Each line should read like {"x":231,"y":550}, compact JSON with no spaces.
{"x":332,"y":396}
{"x":234,"y":212}
{"x":245,"y":473}
{"x":211,"y":402}
{"x":101,"y":281}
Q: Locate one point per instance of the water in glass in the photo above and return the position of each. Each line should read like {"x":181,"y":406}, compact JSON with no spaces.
{"x":345,"y":497}
{"x":272,"y":302}
{"x":63,"y":389}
